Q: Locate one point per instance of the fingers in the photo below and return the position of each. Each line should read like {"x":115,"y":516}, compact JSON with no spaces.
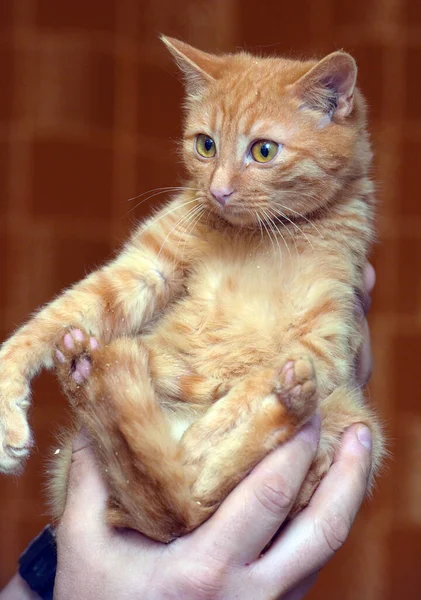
{"x":364,"y":360}
{"x":363,"y":299}
{"x":310,"y":540}
{"x":86,"y":493}
{"x":81,"y":531}
{"x":254,"y":511}
{"x":300,"y":592}
{"x":369,"y":278}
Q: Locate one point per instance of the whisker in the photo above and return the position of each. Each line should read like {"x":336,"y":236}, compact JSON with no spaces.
{"x":274,"y":235}
{"x":194,"y":219}
{"x":158,"y":193}
{"x":278,"y":213}
{"x":162,"y":189}
{"x":186,"y":223}
{"x":259,"y":220}
{"x":255,"y":215}
{"x":177,"y":223}
{"x":268,"y":232}
{"x":281,"y":214}
{"x":303,"y":217}
{"x":279,"y":231}
{"x":287,"y":208}
{"x":191,"y":216}
{"x":154,"y":221}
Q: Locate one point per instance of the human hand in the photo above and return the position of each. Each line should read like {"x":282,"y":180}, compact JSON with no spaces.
{"x":364,"y":360}
{"x":18,"y":589}
{"x":221,"y":559}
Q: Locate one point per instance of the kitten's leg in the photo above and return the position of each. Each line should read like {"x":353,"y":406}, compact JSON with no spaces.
{"x":174,"y":377}
{"x":114,"y":301}
{"x":263,"y":410}
{"x":158,"y":486}
{"x":329,"y":332}
{"x":192,"y":388}
{"x":343,"y":408}
{"x":113,"y":396}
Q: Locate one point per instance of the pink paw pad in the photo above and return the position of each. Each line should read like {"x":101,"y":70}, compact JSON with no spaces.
{"x":68,"y":341}
{"x":72,"y":336}
{"x":288,"y":372}
{"x":93,"y":343}
{"x":297,"y":386}
{"x":82,"y":370}
{"x":77,"y":335}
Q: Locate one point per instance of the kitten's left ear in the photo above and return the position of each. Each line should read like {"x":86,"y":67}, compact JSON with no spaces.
{"x":199,"y":68}
{"x":329,"y":86}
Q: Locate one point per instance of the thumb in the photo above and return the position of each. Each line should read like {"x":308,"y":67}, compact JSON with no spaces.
{"x":302,"y":588}
{"x":86,"y":491}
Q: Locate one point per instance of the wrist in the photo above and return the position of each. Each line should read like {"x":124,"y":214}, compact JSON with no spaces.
{"x":18,"y":589}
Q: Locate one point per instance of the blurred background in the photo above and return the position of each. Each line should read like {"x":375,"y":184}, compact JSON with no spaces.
{"x":89,"y":118}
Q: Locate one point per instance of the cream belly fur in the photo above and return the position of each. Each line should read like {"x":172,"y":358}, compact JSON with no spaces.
{"x":248,"y":299}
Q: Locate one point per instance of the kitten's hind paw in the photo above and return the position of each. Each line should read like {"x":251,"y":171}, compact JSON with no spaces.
{"x":296,"y":387}
{"x":73,"y":358}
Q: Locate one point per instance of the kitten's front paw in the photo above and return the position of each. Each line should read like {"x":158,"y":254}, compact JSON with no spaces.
{"x":296,"y":387}
{"x":73,"y":359}
{"x":15,"y":434}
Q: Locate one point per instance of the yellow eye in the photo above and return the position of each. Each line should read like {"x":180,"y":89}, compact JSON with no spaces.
{"x":264,"y":150}
{"x":205,"y":146}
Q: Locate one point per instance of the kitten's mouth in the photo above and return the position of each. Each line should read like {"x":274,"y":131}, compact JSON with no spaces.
{"x":236,"y":215}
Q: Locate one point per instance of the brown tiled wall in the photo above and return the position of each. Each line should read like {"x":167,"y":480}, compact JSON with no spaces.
{"x":89,"y":117}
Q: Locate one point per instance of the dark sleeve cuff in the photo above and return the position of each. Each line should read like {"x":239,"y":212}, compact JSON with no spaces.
{"x":37,"y":565}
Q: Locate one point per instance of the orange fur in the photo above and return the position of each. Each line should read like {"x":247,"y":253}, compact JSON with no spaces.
{"x":245,"y":311}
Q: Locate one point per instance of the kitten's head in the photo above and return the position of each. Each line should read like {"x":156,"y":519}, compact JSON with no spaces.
{"x":268,"y":137}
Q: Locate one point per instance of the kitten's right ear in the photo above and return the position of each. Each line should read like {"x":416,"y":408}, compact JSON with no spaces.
{"x":199,"y":68}
{"x":329,"y":86}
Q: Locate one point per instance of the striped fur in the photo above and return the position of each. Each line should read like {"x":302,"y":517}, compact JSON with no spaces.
{"x":220,"y":329}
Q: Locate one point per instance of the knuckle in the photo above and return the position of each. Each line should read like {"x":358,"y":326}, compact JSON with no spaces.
{"x":334,"y":530}
{"x":200,"y":581}
{"x":276,"y":495}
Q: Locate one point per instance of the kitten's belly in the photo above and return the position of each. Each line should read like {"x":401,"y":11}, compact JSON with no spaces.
{"x":232,"y":317}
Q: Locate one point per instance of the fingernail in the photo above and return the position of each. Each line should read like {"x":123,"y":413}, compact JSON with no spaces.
{"x":310,"y":432}
{"x":364,"y":435}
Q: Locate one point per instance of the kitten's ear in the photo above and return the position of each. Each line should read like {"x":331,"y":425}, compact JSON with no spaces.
{"x":199,"y":68}
{"x":329,"y":86}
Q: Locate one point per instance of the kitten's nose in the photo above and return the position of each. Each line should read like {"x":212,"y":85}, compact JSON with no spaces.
{"x":221,"y":193}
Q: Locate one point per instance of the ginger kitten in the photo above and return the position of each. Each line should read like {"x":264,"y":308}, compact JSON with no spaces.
{"x":229,"y":316}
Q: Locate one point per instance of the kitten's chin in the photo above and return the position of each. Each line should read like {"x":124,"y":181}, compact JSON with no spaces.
{"x":241,"y":220}
{"x":237,"y":217}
